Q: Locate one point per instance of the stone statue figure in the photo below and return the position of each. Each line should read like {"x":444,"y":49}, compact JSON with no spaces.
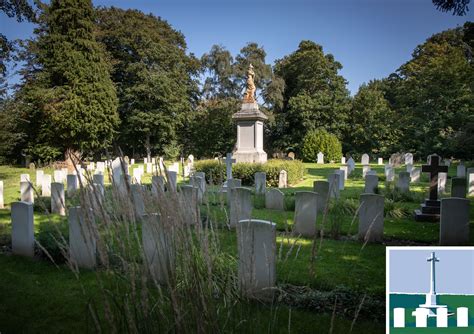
{"x":249,"y":96}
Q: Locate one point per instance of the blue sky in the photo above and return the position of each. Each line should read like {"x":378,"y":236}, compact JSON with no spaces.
{"x":371,"y":38}
{"x":410,"y":272}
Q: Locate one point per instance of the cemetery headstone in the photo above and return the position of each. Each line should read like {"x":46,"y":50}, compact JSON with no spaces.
{"x":149,"y":168}
{"x":228,"y":165}
{"x":172,"y":180}
{"x":23,"y":235}
{"x":409,"y":168}
{"x":380,"y":161}
{"x":157,"y":185}
{"x":257,"y":257}
{"x":322,"y":189}
{"x":25,"y":178}
{"x":396,"y":159}
{"x":409,"y":159}
{"x":365,"y":159}
{"x":306,"y":213}
{"x":341,"y":178}
{"x":333,"y":180}
{"x":260,"y":183}
{"x":190,"y":204}
{"x":137,"y":191}
{"x":71,"y":184}
{"x":403,"y":183}
{"x":58,"y":203}
{"x":431,"y":208}
{"x":343,"y":160}
{"x":39,"y":178}
{"x":470,"y":181}
{"x":274,"y":199}
{"x":240,"y":205}
{"x":345,"y":169}
{"x":458,"y":187}
{"x":158,"y":247}
{"x":231,"y":184}
{"x":58,"y":176}
{"x":351,"y":165}
{"x":26,"y":192}
{"x":454,"y":222}
{"x":200,"y":184}
{"x":320,"y":158}
{"x":46,"y":186}
{"x":137,"y":176}
{"x":389,"y":173}
{"x":283,"y":179}
{"x":98,"y":179}
{"x":82,"y":241}
{"x":365,"y":170}
{"x":415,"y":175}
{"x":461,"y":170}
{"x":119,"y":169}
{"x":2,"y":204}
{"x":442,"y":180}
{"x":132,"y":162}
{"x":371,"y":218}
{"x":371,"y":184}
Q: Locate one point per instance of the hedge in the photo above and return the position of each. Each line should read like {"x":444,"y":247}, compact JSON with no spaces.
{"x":216,"y":172}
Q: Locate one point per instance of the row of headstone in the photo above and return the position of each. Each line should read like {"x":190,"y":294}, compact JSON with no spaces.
{"x":421,"y":317}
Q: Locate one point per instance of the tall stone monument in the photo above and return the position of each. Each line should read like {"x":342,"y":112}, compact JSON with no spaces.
{"x":249,"y":119}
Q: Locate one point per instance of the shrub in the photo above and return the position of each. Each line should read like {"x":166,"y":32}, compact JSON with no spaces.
{"x":321,"y":141}
{"x":215,"y":171}
{"x":51,"y":236}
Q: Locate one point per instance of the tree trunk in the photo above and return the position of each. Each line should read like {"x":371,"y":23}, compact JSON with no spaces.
{"x":148,"y":148}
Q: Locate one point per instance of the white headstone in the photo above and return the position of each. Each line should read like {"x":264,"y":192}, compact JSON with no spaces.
{"x":442,"y":179}
{"x":25,"y":178}
{"x":320,"y":158}
{"x":454,"y":222}
{"x":403,"y":183}
{"x":260,"y":183}
{"x":365,"y":159}
{"x":371,"y":184}
{"x":341,"y":178}
{"x":351,"y":164}
{"x":118,"y":174}
{"x":442,"y":317}
{"x":82,"y":241}
{"x":365,"y":170}
{"x":240,"y":205}
{"x":145,"y":160}
{"x":228,"y":165}
{"x":409,"y":168}
{"x":421,"y":315}
{"x":191,"y":159}
{"x":380,"y":161}
{"x":274,"y":199}
{"x":149,"y":168}
{"x":137,"y":176}
{"x":58,"y":176}
{"x":462,"y":316}
{"x":23,"y":235}
{"x":371,"y":218}
{"x":283,"y":179}
{"x":46,"y":186}
{"x":415,"y":175}
{"x":408,"y":159}
{"x":26,"y":192}
{"x":470,"y":181}
{"x":306,"y":213}
{"x":58,"y":203}
{"x":137,"y":191}
{"x":345,"y":169}
{"x":2,"y":203}
{"x":132,"y":162}
{"x":389,"y":173}
{"x":343,"y":160}
{"x":101,"y":166}
{"x":39,"y":177}
{"x":256,"y":241}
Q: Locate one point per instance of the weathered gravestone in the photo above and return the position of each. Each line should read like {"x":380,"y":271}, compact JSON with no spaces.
{"x":58,"y":203}
{"x":25,"y":178}
{"x":190,"y":204}
{"x":71,"y":184}
{"x":158,"y":247}
{"x":380,"y":161}
{"x":470,"y":181}
{"x":2,"y":205}
{"x":403,"y":183}
{"x":172,"y":180}
{"x":322,"y":189}
{"x":119,"y":170}
{"x":442,"y":180}
{"x":26,"y":192}
{"x":283,"y":179}
{"x":341,"y":178}
{"x":415,"y":175}
{"x":409,"y":159}
{"x":371,"y":218}
{"x":157,"y":184}
{"x":396,"y":159}
{"x":200,"y":184}
{"x":82,"y":240}
{"x":23,"y":235}
{"x":137,"y":176}
{"x":138,"y":199}
{"x":58,"y":176}
{"x":365,"y":170}
{"x":260,"y":183}
{"x":320,"y":158}
{"x":343,"y":160}
{"x":461,"y":170}
{"x":231,"y":184}
{"x":228,"y":165}
{"x":240,"y":205}
{"x":306,"y":213}
{"x":454,"y":222}
{"x":365,"y":159}
{"x":345,"y":169}
{"x":39,"y":177}
{"x":409,"y":168}
{"x":371,"y":184}
{"x":458,"y":187}
{"x":46,"y":186}
{"x":256,"y":241}
{"x":389,"y":173}
{"x":333,"y":180}
{"x":351,"y":165}
{"x":149,"y":168}
{"x":274,"y":199}
{"x":431,"y":208}
{"x":98,"y":179}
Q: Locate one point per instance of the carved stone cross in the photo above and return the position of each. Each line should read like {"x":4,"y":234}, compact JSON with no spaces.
{"x":434,"y":168}
{"x":228,"y":165}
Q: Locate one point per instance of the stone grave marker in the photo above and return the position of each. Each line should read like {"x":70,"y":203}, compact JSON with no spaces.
{"x":409,"y":168}
{"x":365,"y":159}
{"x":470,"y":181}
{"x":403,"y":182}
{"x":2,"y":204}
{"x":71,"y":184}
{"x":461,"y":170}
{"x":458,"y":187}
{"x":25,"y":178}
{"x":58,"y":176}
{"x":415,"y":175}
{"x":119,"y":169}
{"x":341,"y":178}
{"x":82,"y":241}
{"x":23,"y":235}
{"x":157,"y":184}
{"x":200,"y":184}
{"x":231,"y":184}
{"x":26,"y":192}
{"x":137,"y":191}
{"x":283,"y":179}
{"x":409,"y":159}
{"x":46,"y":186}
{"x":306,"y":213}
{"x":431,"y":208}
{"x":322,"y":189}
{"x":345,"y":169}
{"x":58,"y":203}
{"x":98,"y":179}
{"x":39,"y":177}
{"x":371,"y":218}
{"x":240,"y":205}
{"x":365,"y":170}
{"x":137,"y":176}
{"x":149,"y":168}
{"x":190,"y":204}
{"x":256,"y":241}
{"x":274,"y":199}
{"x":351,"y":165}
{"x":260,"y":183}
{"x":380,"y":161}
{"x":172,"y":180}
{"x":371,"y":184}
{"x":333,"y":180}
{"x":228,"y":165}
{"x":320,"y":158}
{"x":454,"y":222}
{"x":442,"y":180}
{"x":343,"y":160}
{"x":389,"y":173}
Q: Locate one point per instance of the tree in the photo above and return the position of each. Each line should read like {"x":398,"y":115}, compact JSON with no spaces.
{"x":155,"y":78}
{"x":68,"y":84}
{"x":458,"y":7}
{"x":373,"y":127}
{"x":315,"y":96}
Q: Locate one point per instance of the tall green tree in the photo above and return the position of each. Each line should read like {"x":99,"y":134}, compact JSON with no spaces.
{"x":155,"y":78}
{"x":73,"y":103}
{"x":315,"y":96}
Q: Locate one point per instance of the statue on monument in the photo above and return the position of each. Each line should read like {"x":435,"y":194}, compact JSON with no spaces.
{"x":249,"y":96}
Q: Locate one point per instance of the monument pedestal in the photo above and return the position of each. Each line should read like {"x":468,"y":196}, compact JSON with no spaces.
{"x":249,"y":134}
{"x":429,"y":212}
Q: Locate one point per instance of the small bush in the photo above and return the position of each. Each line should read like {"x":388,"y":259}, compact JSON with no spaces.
{"x":215,"y":171}
{"x":321,"y":141}
{"x":51,"y":236}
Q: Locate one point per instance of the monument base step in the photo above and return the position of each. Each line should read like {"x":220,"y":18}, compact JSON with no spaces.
{"x":426,"y":217}
{"x":427,"y":209}
{"x":431,"y":202}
